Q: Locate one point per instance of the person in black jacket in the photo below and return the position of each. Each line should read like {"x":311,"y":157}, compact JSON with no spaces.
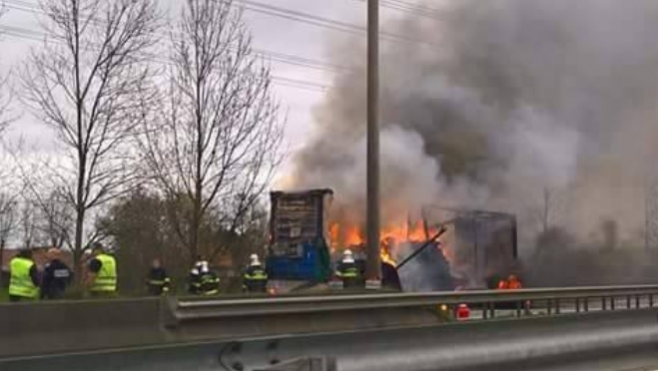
{"x":254,"y":278}
{"x":202,"y":280}
{"x":347,"y":270}
{"x":157,"y":280}
{"x":56,"y":276}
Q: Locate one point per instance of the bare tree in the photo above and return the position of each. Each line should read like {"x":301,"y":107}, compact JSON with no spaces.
{"x":4,"y":94}
{"x":56,"y":220}
{"x":82,"y":84}
{"x":28,"y":225}
{"x":8,"y":220}
{"x":216,"y":137}
{"x":54,"y":216}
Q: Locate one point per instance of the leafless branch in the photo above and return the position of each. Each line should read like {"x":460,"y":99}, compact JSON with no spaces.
{"x":82,"y":83}
{"x":216,"y":136}
{"x":5,"y":96}
{"x":8,"y":216}
{"x":28,"y":225}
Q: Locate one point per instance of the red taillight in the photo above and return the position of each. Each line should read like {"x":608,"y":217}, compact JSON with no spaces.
{"x":463,"y":312}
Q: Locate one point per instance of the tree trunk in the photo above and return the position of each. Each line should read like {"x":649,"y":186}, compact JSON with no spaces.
{"x":196,"y":227}
{"x":77,"y":248}
{"x":2,"y":258}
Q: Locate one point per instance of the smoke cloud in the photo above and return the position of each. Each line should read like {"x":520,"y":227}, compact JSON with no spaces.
{"x":501,"y":103}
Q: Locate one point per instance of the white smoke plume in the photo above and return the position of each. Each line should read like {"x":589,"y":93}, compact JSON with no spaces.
{"x":503,"y":101}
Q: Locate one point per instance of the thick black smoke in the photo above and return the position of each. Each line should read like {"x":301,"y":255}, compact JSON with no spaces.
{"x":500,"y":103}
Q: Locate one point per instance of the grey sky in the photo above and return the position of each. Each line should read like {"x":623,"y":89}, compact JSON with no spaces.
{"x":271,"y":34}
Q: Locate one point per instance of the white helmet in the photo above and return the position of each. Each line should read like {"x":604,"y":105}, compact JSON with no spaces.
{"x":254,"y":259}
{"x":347,"y":256}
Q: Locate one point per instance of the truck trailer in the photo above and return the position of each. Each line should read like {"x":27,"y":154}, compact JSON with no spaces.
{"x":480,"y":250}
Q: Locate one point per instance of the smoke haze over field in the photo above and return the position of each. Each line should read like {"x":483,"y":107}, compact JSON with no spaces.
{"x":502,"y":100}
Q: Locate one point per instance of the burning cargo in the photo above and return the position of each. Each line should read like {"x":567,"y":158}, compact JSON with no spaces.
{"x":446,"y":249}
{"x":481,"y":246}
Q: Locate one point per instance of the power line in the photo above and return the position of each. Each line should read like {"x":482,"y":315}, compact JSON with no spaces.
{"x":408,"y":8}
{"x":416,"y":5}
{"x":311,"y":19}
{"x":293,"y":15}
{"x":286,"y":58}
{"x":271,"y":55}
{"x":22,"y":33}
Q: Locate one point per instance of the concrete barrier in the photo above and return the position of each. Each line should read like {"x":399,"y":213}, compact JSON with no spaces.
{"x":54,"y":327}
{"x":29,"y":329}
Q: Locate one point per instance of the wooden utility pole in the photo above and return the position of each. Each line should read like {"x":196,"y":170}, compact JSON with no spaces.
{"x":373,"y":266}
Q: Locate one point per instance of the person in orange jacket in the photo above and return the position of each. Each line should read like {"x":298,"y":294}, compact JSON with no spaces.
{"x":513,"y":283}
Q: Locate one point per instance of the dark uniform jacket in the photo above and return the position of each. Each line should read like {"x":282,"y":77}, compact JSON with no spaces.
{"x":157,"y":281}
{"x":204,"y":283}
{"x":255,"y":279}
{"x":56,"y":277}
{"x":349,"y":273}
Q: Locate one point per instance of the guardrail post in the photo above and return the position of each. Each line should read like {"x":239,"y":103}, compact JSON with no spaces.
{"x":604,"y":304}
{"x":637,"y":301}
{"x":549,"y":306}
{"x":612,"y":303}
{"x":650,"y":300}
{"x":577,"y":305}
{"x":485,"y":310}
{"x":518,"y":309}
{"x":493,"y":310}
{"x":557,"y":306}
{"x":628,"y":302}
{"x":586,"y":305}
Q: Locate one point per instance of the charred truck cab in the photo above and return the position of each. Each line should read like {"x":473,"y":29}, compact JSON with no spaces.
{"x":298,"y":249}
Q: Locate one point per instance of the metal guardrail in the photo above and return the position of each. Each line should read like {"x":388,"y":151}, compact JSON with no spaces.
{"x":553,"y":300}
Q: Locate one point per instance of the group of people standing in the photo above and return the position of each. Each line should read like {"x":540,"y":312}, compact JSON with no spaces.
{"x":26,"y":282}
{"x":204,"y":281}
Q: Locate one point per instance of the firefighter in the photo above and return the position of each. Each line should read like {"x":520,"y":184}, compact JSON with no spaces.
{"x":194,"y":278}
{"x":157,"y":281}
{"x":255,"y":277}
{"x":203,"y":281}
{"x":102,"y":277}
{"x":513,"y":283}
{"x":24,"y":277}
{"x":347,"y":270}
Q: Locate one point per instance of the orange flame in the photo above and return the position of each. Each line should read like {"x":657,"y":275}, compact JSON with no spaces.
{"x":351,"y":236}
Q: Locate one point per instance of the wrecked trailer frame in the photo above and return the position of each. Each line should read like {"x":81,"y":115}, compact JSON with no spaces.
{"x":481,"y":246}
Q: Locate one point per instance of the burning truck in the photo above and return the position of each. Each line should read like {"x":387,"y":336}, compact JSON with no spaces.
{"x":437,"y":249}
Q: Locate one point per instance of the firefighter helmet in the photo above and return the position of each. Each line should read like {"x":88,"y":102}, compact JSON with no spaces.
{"x":347,"y":256}
{"x":254,"y":259}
